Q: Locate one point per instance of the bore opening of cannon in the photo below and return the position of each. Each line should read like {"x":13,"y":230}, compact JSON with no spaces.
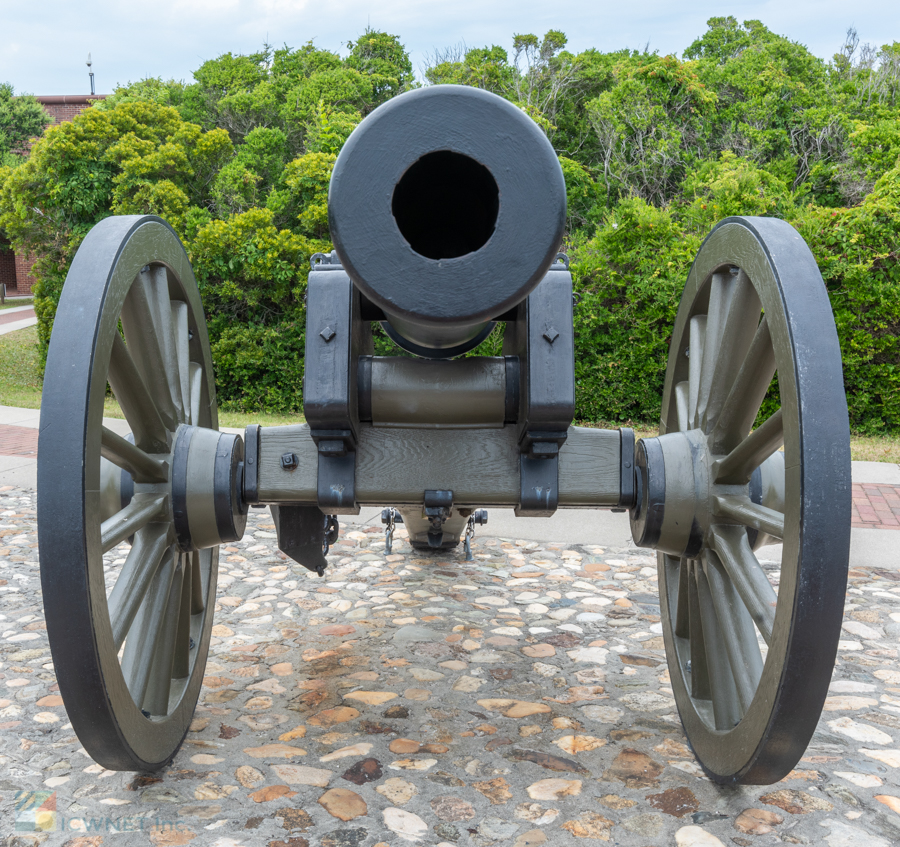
{"x":446,"y":205}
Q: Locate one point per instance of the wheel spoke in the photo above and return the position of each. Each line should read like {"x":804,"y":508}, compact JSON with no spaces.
{"x":724,"y":695}
{"x":181,"y":664}
{"x":131,"y":391}
{"x":127,"y":456}
{"x":682,"y":400}
{"x":196,"y":376}
{"x":747,"y":513}
{"x":747,"y":575}
{"x":683,"y":608}
{"x":148,"y":338}
{"x":738,"y":330}
{"x":697,"y":342}
{"x":182,"y":351}
{"x":738,"y":466}
{"x":747,"y":392}
{"x":163,"y":309}
{"x":700,"y":688}
{"x":159,"y":681}
{"x":738,"y":632}
{"x":198,"y":603}
{"x":143,"y":509}
{"x":137,"y":573}
{"x":140,"y":646}
{"x":719,"y":298}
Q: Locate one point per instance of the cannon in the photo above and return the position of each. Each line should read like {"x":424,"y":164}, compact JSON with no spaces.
{"x":447,"y":209}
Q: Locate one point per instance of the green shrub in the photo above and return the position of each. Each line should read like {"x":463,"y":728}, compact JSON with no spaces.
{"x":858,"y":252}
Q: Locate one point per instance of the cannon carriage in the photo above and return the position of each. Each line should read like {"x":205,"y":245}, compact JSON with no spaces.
{"x":447,"y":209}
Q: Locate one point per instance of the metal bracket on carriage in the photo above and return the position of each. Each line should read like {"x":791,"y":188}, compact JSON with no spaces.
{"x":305,"y":534}
{"x":438,"y":505}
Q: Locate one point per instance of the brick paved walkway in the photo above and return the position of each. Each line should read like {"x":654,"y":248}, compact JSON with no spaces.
{"x":876,"y":506}
{"x":8,"y":317}
{"x":18,"y":441}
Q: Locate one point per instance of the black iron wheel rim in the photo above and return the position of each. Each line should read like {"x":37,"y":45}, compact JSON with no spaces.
{"x":774,"y":730}
{"x":113,"y":728}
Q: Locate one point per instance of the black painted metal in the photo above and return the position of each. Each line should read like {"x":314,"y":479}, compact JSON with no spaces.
{"x":649,"y":507}
{"x":627,"y":497}
{"x":251,"y":464}
{"x":329,"y":391}
{"x":538,"y":485}
{"x":436,"y":352}
{"x":227,"y":486}
{"x":771,"y":738}
{"x":336,"y":485}
{"x":180,"y":486}
{"x":543,"y":338}
{"x":335,"y":339}
{"x":301,"y":532}
{"x":385,"y":179}
{"x":437,"y":508}
{"x":825,"y":501}
{"x":104,"y":717}
{"x":513,"y":380}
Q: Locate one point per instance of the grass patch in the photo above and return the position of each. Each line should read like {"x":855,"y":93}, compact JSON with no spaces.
{"x":863,"y":448}
{"x":14,"y":304}
{"x":20,"y":385}
{"x":20,"y":379}
{"x":875,"y":448}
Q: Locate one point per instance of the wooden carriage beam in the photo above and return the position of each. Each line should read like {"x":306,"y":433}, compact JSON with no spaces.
{"x":395,"y":466}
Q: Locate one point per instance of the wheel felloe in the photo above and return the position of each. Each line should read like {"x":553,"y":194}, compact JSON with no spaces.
{"x":750,"y":666}
{"x":129,"y":636}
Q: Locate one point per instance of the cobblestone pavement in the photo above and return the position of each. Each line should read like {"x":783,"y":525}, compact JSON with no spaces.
{"x":519,"y":699}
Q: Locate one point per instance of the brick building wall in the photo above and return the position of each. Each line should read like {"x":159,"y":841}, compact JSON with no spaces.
{"x":7,"y":267}
{"x":16,"y":273}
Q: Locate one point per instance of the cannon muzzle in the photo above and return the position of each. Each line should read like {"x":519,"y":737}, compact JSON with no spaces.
{"x":447,"y":206}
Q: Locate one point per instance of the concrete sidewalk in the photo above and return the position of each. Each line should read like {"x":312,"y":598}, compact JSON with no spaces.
{"x":875,"y":547}
{"x":19,"y":317}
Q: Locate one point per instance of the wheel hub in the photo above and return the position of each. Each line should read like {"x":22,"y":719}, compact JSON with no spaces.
{"x":207,"y":481}
{"x":672,"y":488}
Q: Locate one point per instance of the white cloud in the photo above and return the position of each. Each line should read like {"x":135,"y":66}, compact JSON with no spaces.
{"x":43,"y":46}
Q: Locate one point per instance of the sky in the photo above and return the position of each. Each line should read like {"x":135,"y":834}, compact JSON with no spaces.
{"x":44,"y":45}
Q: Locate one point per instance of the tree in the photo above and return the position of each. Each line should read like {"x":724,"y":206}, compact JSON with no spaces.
{"x":21,"y":119}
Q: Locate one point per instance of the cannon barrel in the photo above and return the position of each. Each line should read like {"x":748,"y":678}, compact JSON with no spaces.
{"x":447,"y":206}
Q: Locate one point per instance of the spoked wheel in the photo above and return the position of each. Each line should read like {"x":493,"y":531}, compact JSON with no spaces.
{"x":129,"y":639}
{"x":750,"y":649}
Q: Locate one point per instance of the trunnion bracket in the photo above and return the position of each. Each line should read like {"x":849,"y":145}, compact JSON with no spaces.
{"x":336,"y":335}
{"x":543,"y":338}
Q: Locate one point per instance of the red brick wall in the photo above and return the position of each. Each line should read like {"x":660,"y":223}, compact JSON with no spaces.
{"x":24,"y":280}
{"x":7,"y":269}
{"x":63,"y":112}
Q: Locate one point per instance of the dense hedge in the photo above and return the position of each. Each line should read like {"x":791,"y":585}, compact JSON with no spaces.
{"x":654,"y":150}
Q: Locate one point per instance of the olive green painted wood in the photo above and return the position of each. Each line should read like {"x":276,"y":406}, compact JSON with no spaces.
{"x":396,"y":466}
